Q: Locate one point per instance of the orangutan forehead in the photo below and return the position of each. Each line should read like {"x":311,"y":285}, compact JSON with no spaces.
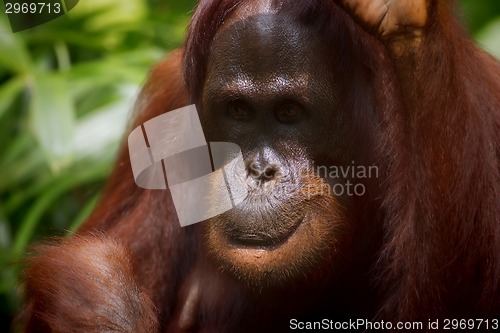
{"x":251,"y":8}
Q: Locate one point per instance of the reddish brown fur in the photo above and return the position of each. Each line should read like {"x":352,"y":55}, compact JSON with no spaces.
{"x":96,"y":264}
{"x":440,"y":210}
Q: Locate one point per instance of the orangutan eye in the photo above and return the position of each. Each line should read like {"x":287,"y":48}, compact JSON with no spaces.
{"x":289,"y":113}
{"x":240,"y":111}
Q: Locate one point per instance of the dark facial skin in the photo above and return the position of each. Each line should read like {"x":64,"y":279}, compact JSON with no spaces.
{"x":270,"y":88}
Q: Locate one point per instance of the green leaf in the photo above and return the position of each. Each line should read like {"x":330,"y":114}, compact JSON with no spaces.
{"x":489,"y":38}
{"x":52,"y":118}
{"x":112,"y":13}
{"x":14,"y":55}
{"x":103,"y":128}
{"x":9,"y":92}
{"x":16,"y":170}
{"x":63,"y":185}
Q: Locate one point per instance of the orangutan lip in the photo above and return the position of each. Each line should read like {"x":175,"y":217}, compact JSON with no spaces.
{"x":263,"y":239}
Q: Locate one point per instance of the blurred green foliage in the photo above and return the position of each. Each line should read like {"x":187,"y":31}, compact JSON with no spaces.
{"x":66,"y":91}
{"x":482,"y":18}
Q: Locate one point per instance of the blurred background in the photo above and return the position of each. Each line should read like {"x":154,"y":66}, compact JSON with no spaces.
{"x":66,"y":91}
